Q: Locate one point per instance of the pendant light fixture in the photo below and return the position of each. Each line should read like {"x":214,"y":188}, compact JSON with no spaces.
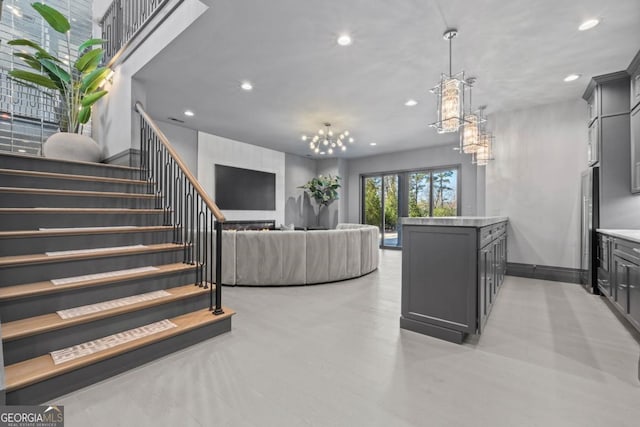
{"x":485,"y":151}
{"x":325,"y":142}
{"x":450,"y":95}
{"x":473,"y":126}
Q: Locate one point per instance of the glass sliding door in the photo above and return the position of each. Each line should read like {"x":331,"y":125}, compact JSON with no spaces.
{"x":445,"y":192}
{"x":372,"y":202}
{"x":387,"y":197}
{"x":381,"y":204}
{"x":391,"y":203}
{"x":419,"y":194}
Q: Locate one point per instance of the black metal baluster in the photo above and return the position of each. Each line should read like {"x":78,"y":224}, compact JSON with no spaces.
{"x":194,"y":222}
{"x":187,"y":225}
{"x":205,"y":247}
{"x":218,"y":310}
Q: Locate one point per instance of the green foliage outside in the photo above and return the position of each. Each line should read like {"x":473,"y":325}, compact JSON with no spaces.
{"x":418,"y":197}
{"x":418,"y":201}
{"x":372,"y":201}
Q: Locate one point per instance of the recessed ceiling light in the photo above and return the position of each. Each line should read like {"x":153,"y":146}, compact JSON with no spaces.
{"x":246,"y":86}
{"x":372,"y":143}
{"x":411,"y":103}
{"x":344,"y":40}
{"x":588,"y":24}
{"x":572,"y":77}
{"x":189,"y":113}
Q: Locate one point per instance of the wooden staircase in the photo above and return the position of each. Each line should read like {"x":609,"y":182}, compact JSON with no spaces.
{"x":75,"y":234}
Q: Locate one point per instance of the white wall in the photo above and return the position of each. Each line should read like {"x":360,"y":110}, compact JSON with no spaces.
{"x":214,"y":149}
{"x":115,"y":122}
{"x":535,"y":181}
{"x":414,"y":159}
{"x":300,"y":210}
{"x":185,"y":141}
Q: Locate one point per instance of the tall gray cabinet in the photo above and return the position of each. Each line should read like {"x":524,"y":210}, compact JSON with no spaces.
{"x":609,"y":148}
{"x":634,"y":101}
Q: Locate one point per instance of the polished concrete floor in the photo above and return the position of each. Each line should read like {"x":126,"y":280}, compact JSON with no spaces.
{"x":333,"y":355}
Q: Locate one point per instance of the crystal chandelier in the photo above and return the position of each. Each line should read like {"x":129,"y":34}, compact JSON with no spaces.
{"x":325,"y":141}
{"x":450,"y":95}
{"x":472,"y":129}
{"x":485,"y":151}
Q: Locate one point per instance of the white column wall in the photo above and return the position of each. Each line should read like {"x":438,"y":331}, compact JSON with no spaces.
{"x":535,"y":181}
{"x":114,"y":120}
{"x":214,"y":149}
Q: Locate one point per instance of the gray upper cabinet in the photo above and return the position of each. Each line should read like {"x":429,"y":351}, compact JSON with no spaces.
{"x":634,"y":105}
{"x":608,"y":144}
{"x":634,"y":72}
{"x":592,"y":107}
{"x":635,"y":150}
{"x":593,"y":144}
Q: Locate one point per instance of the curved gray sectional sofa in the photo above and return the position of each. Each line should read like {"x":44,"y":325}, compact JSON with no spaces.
{"x":268,"y":258}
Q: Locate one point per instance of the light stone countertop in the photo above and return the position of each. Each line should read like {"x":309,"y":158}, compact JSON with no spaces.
{"x":632,"y":235}
{"x":456,"y":221}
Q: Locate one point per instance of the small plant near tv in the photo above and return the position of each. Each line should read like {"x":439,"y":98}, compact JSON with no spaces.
{"x":78,"y":83}
{"x":323,"y":189}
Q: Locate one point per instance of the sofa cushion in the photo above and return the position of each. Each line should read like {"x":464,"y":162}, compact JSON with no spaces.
{"x":270,"y":258}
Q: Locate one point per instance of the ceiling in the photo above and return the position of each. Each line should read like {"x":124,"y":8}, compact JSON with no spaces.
{"x":520,"y":51}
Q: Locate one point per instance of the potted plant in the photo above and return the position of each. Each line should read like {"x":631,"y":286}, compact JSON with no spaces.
{"x":77,"y":83}
{"x":323,"y":189}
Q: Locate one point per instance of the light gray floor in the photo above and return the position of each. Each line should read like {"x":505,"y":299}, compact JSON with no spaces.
{"x":333,"y":355}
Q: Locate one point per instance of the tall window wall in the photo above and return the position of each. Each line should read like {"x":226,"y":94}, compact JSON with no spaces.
{"x":386,"y":197}
{"x":27,"y":116}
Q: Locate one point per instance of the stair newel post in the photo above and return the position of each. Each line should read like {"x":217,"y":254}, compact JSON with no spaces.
{"x":177,"y":203}
{"x":159,"y":174}
{"x":188,"y":225}
{"x":198,"y":244}
{"x":218,"y":310}
{"x":166,"y":191}
{"x":194,"y":219}
{"x":203,"y":243}
{"x":143,"y":135}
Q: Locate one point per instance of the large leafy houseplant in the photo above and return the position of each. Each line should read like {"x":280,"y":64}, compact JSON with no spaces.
{"x":323,"y":189}
{"x":78,"y":83}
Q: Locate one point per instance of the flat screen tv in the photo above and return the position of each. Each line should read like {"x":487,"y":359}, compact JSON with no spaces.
{"x":244,"y":189}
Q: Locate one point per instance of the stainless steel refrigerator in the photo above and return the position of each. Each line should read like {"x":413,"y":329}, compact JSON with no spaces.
{"x":590,"y":221}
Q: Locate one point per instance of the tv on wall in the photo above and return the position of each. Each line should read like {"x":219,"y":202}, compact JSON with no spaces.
{"x":244,"y":189}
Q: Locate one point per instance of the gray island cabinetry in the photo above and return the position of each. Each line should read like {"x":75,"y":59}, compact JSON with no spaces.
{"x":452,"y":269}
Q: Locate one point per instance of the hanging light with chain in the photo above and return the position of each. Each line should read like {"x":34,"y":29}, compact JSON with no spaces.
{"x":450,"y":95}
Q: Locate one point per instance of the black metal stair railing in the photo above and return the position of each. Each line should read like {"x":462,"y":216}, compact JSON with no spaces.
{"x":186,"y":205}
{"x":123,"y":20}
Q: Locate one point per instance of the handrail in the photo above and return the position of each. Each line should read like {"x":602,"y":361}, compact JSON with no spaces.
{"x":124,"y":20}
{"x":186,"y":206}
{"x":192,"y":179}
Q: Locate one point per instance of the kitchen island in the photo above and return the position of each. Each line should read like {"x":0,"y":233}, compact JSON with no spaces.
{"x":452,"y":269}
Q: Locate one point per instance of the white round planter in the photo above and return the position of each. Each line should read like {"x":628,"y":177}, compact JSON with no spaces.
{"x":72,"y":146}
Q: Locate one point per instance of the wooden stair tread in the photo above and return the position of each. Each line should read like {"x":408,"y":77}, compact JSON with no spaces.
{"x":73,"y":177}
{"x":82,"y":211}
{"x":79,"y":162}
{"x":78,"y":193}
{"x":46,"y":287}
{"x":82,"y":231}
{"x":38,"y":369}
{"x":43,"y":258}
{"x":52,"y":321}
